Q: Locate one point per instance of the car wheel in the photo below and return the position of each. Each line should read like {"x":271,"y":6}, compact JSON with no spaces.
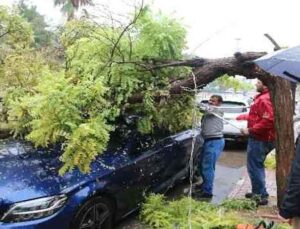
{"x":96,"y":213}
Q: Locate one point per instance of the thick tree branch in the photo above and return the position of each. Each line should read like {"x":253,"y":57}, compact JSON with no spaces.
{"x":207,"y":70}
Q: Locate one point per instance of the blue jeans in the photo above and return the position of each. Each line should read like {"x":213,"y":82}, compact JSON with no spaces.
{"x":256,"y":155}
{"x":212,"y":149}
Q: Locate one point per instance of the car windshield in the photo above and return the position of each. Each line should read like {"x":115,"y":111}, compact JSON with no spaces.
{"x":231,"y":106}
{"x":234,"y":107}
{"x":13,"y":148}
{"x":23,"y":149}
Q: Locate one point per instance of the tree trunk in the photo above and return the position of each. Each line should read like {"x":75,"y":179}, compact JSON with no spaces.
{"x":282,"y":98}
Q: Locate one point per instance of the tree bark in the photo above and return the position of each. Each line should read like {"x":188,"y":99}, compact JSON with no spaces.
{"x":282,"y":99}
{"x":211,"y":69}
{"x":207,"y":70}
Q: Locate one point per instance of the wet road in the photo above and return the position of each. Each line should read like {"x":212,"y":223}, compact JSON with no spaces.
{"x":228,"y":171}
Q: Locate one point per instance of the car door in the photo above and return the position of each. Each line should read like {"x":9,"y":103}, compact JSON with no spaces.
{"x":187,"y":141}
{"x":157,"y":164}
{"x":147,"y":169}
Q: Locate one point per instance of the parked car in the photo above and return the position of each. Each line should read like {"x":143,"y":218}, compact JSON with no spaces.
{"x":232,"y":109}
{"x":34,"y":195}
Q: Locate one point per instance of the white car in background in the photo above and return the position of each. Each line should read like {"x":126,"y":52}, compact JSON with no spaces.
{"x":233,"y":108}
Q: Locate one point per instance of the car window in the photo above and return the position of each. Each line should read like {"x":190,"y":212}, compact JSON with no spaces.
{"x":234,"y":107}
{"x":231,"y":106}
{"x":26,"y":149}
{"x":13,"y":148}
{"x":145,"y":142}
{"x":118,"y":139}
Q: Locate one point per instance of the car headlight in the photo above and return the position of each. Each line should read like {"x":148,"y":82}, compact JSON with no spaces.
{"x":34,"y":209}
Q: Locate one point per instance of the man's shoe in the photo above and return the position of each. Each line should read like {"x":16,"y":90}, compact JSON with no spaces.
{"x":249,"y":195}
{"x":202,"y":195}
{"x":195,"y":188}
{"x":197,"y":180}
{"x":262,"y":201}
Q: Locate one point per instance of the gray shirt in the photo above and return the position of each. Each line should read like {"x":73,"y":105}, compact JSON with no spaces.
{"x":211,"y":125}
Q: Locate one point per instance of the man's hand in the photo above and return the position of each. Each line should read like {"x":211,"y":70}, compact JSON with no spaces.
{"x":245,"y":131}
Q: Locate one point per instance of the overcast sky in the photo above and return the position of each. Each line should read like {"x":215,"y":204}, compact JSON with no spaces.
{"x":218,"y":28}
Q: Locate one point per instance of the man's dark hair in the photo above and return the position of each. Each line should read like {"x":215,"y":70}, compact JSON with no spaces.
{"x":220,"y":99}
{"x":264,"y":82}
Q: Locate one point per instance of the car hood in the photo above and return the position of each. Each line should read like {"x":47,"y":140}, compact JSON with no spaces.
{"x":27,"y":173}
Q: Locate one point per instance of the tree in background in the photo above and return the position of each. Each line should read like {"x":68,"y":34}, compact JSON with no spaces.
{"x":42,"y":35}
{"x":226,"y":82}
{"x":15,"y":36}
{"x":69,"y":7}
{"x":21,"y":66}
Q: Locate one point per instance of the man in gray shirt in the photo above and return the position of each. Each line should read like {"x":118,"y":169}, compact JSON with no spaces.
{"x":213,"y":146}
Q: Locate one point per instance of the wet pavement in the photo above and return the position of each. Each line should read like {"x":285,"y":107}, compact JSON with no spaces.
{"x":231,"y":181}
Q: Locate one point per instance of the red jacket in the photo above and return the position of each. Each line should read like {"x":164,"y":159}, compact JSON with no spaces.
{"x":261,"y":118}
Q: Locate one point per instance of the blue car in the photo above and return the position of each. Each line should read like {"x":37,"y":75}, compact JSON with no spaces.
{"x":34,"y":195}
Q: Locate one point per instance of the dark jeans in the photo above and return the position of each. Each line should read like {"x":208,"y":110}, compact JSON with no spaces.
{"x":257,"y":152}
{"x":211,"y":151}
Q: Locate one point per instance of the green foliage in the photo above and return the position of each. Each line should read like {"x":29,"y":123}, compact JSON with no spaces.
{"x":15,"y":32}
{"x":72,"y":113}
{"x":239,"y":204}
{"x":78,"y":105}
{"x":23,"y":70}
{"x":85,"y":143}
{"x":270,"y":162}
{"x":20,"y":67}
{"x":161,"y":37}
{"x":168,"y":114}
{"x":159,"y":213}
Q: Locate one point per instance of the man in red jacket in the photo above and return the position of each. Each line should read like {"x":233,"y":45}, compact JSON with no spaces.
{"x":260,"y":142}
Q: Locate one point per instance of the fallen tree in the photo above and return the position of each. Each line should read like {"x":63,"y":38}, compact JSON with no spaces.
{"x":108,"y":71}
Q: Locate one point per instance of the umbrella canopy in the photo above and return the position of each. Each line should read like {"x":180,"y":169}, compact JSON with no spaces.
{"x":284,"y":63}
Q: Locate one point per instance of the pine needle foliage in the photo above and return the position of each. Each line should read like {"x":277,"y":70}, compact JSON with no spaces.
{"x":239,"y":204}
{"x":157,"y":212}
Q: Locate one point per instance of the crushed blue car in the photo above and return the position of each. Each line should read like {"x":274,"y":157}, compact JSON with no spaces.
{"x":34,"y":195}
